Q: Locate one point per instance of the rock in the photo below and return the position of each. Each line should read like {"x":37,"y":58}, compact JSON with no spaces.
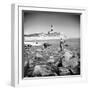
{"x":37,"y":70}
{"x":38,"y":55}
{"x":30,"y":63}
{"x":39,"y":49}
{"x":25,"y":63}
{"x":69,"y":60}
{"x":65,"y":63}
{"x":67,"y":54}
{"x":76,"y":70}
{"x":73,"y":65}
{"x":42,"y":70}
{"x":51,"y":59}
{"x":64,"y":71}
{"x":73,"y":62}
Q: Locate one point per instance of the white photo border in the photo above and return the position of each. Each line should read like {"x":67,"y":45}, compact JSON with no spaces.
{"x":16,"y":41}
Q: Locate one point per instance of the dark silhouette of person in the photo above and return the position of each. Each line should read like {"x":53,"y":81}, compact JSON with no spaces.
{"x":61,"y":44}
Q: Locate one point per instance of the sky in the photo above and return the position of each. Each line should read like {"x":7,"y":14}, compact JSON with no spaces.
{"x":38,"y":22}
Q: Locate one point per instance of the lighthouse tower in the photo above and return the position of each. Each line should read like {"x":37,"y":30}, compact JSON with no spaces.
{"x":51,"y":29}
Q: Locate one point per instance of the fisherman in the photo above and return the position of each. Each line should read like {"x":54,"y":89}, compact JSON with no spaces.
{"x":62,"y":41}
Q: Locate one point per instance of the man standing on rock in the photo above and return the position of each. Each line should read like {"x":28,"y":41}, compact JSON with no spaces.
{"x":62,"y":44}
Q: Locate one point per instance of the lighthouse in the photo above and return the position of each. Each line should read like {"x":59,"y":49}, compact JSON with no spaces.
{"x":51,"y":29}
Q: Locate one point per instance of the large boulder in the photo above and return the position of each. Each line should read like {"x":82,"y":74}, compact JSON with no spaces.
{"x":67,"y":54}
{"x":73,"y":62}
{"x":69,"y":60}
{"x":42,"y":70}
{"x":73,"y":65}
{"x":37,"y":70}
